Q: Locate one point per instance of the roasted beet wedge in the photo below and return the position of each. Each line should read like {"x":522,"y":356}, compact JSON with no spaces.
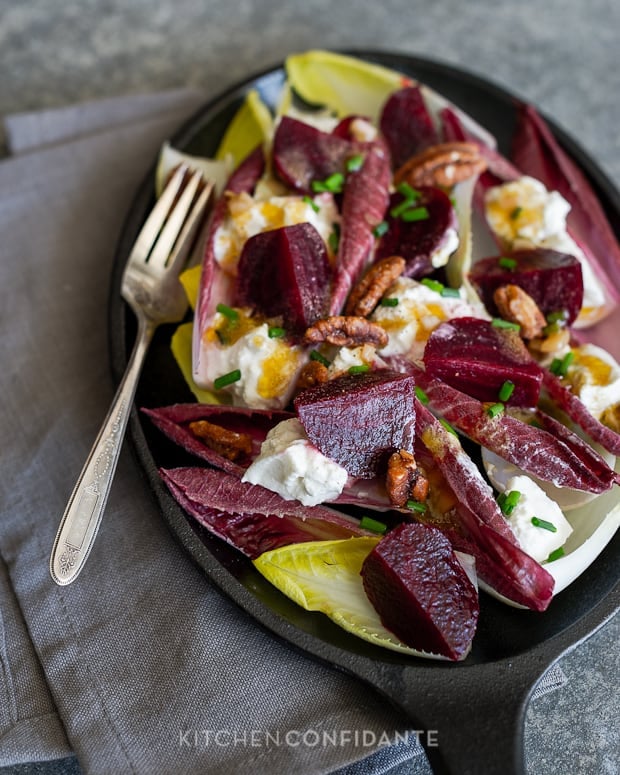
{"x":285,"y":272}
{"x":406,"y":124}
{"x":359,"y":420}
{"x":419,"y":231}
{"x":303,"y":154}
{"x":474,"y":356}
{"x":552,"y":279}
{"x":421,"y":591}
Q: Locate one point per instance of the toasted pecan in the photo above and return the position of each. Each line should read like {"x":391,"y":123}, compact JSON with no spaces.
{"x":346,"y":331}
{"x":230,"y":444}
{"x":517,"y":306}
{"x":444,"y":164}
{"x":312,"y":373}
{"x":404,"y":480}
{"x":366,"y":294}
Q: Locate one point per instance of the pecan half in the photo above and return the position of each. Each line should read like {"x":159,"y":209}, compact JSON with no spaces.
{"x":517,"y":306}
{"x":366,"y":294}
{"x":313,"y":373}
{"x":405,"y":481}
{"x":444,"y":164}
{"x":346,"y":331}
{"x":230,"y":444}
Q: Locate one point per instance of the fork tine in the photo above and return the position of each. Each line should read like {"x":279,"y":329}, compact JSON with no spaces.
{"x":174,"y":225}
{"x":152,"y":226}
{"x":186,"y":241}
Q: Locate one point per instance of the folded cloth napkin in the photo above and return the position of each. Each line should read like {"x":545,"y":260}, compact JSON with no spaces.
{"x":144,"y":659}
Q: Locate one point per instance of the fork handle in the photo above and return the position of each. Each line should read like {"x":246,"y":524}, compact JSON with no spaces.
{"x":82,"y":517}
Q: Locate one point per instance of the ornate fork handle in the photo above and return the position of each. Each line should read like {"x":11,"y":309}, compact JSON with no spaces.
{"x":82,"y":517}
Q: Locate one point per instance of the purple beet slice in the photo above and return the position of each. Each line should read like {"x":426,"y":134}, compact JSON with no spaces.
{"x":474,"y":356}
{"x":421,"y":591}
{"x":406,"y":124}
{"x":417,"y":240}
{"x":303,"y":154}
{"x":359,"y":420}
{"x":552,"y":279}
{"x":285,"y":272}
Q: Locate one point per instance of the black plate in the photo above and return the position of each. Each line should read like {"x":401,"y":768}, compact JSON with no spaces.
{"x":478,"y":705}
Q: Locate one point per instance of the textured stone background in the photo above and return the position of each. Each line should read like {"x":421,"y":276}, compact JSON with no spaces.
{"x":560,"y":54}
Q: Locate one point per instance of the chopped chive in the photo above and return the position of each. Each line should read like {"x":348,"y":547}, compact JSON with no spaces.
{"x":552,"y":328}
{"x":495,"y":409}
{"x":275,"y":332}
{"x":448,"y":427}
{"x":380,"y":229}
{"x":334,"y":240}
{"x":507,"y":263}
{"x":416,"y":214}
{"x":516,"y":213}
{"x":501,"y":323}
{"x":315,"y":355}
{"x":228,"y":312}
{"x":400,"y":208}
{"x":227,"y":379}
{"x":559,"y":366}
{"x":368,"y":523}
{"x":355,"y":163}
{"x":359,"y":369}
{"x":416,"y":506}
{"x":310,"y":201}
{"x":544,"y":524}
{"x":389,"y":302}
{"x":555,"y":555}
{"x":421,"y":395}
{"x":333,"y":184}
{"x":507,"y":501}
{"x":411,"y":194}
{"x":558,"y":316}
{"x":506,"y":390}
{"x":434,"y":285}
{"x":452,"y":293}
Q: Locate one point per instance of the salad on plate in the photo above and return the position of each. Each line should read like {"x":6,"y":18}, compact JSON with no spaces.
{"x":397,"y":402}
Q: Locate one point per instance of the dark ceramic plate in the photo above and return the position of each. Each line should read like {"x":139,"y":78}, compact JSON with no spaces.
{"x":478,"y":705}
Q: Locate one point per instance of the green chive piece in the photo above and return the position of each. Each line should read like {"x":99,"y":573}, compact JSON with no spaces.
{"x":389,"y":302}
{"x":500,"y":323}
{"x":507,"y":263}
{"x":275,"y":332}
{"x":362,"y":368}
{"x":552,"y":328}
{"x":368,"y":523}
{"x":495,"y":409}
{"x":559,"y":366}
{"x":315,"y":355}
{"x":516,"y":213}
{"x":506,"y":390}
{"x":228,"y":312}
{"x":407,"y":191}
{"x":452,"y":293}
{"x":380,"y":229}
{"x":227,"y":379}
{"x":448,"y":427}
{"x":434,"y":285}
{"x":416,"y":506}
{"x":544,"y":524}
{"x":400,"y":208}
{"x":416,"y":214}
{"x":421,"y":395}
{"x":355,"y":163}
{"x":558,"y":316}
{"x":310,"y":201}
{"x":555,"y":555}
{"x":333,"y":184}
{"x":508,"y":501}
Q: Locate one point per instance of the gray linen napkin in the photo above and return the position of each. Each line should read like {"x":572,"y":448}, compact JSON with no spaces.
{"x":141,"y":655}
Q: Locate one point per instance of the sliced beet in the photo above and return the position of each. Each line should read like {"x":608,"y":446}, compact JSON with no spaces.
{"x":359,"y":420}
{"x":303,"y":154}
{"x":285,"y":272}
{"x":421,"y":591}
{"x":554,"y":280}
{"x":417,"y":240}
{"x":474,"y":356}
{"x":406,"y":124}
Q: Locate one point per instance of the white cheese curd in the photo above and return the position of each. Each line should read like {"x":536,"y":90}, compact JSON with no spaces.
{"x":533,"y":503}
{"x":346,"y":357}
{"x":419,"y":311}
{"x":441,"y":256}
{"x":268,"y":366}
{"x":594,"y":375}
{"x":294,"y":468}
{"x":248,"y":216}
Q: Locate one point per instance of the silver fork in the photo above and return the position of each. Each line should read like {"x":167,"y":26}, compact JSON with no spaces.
{"x":151,"y":287}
